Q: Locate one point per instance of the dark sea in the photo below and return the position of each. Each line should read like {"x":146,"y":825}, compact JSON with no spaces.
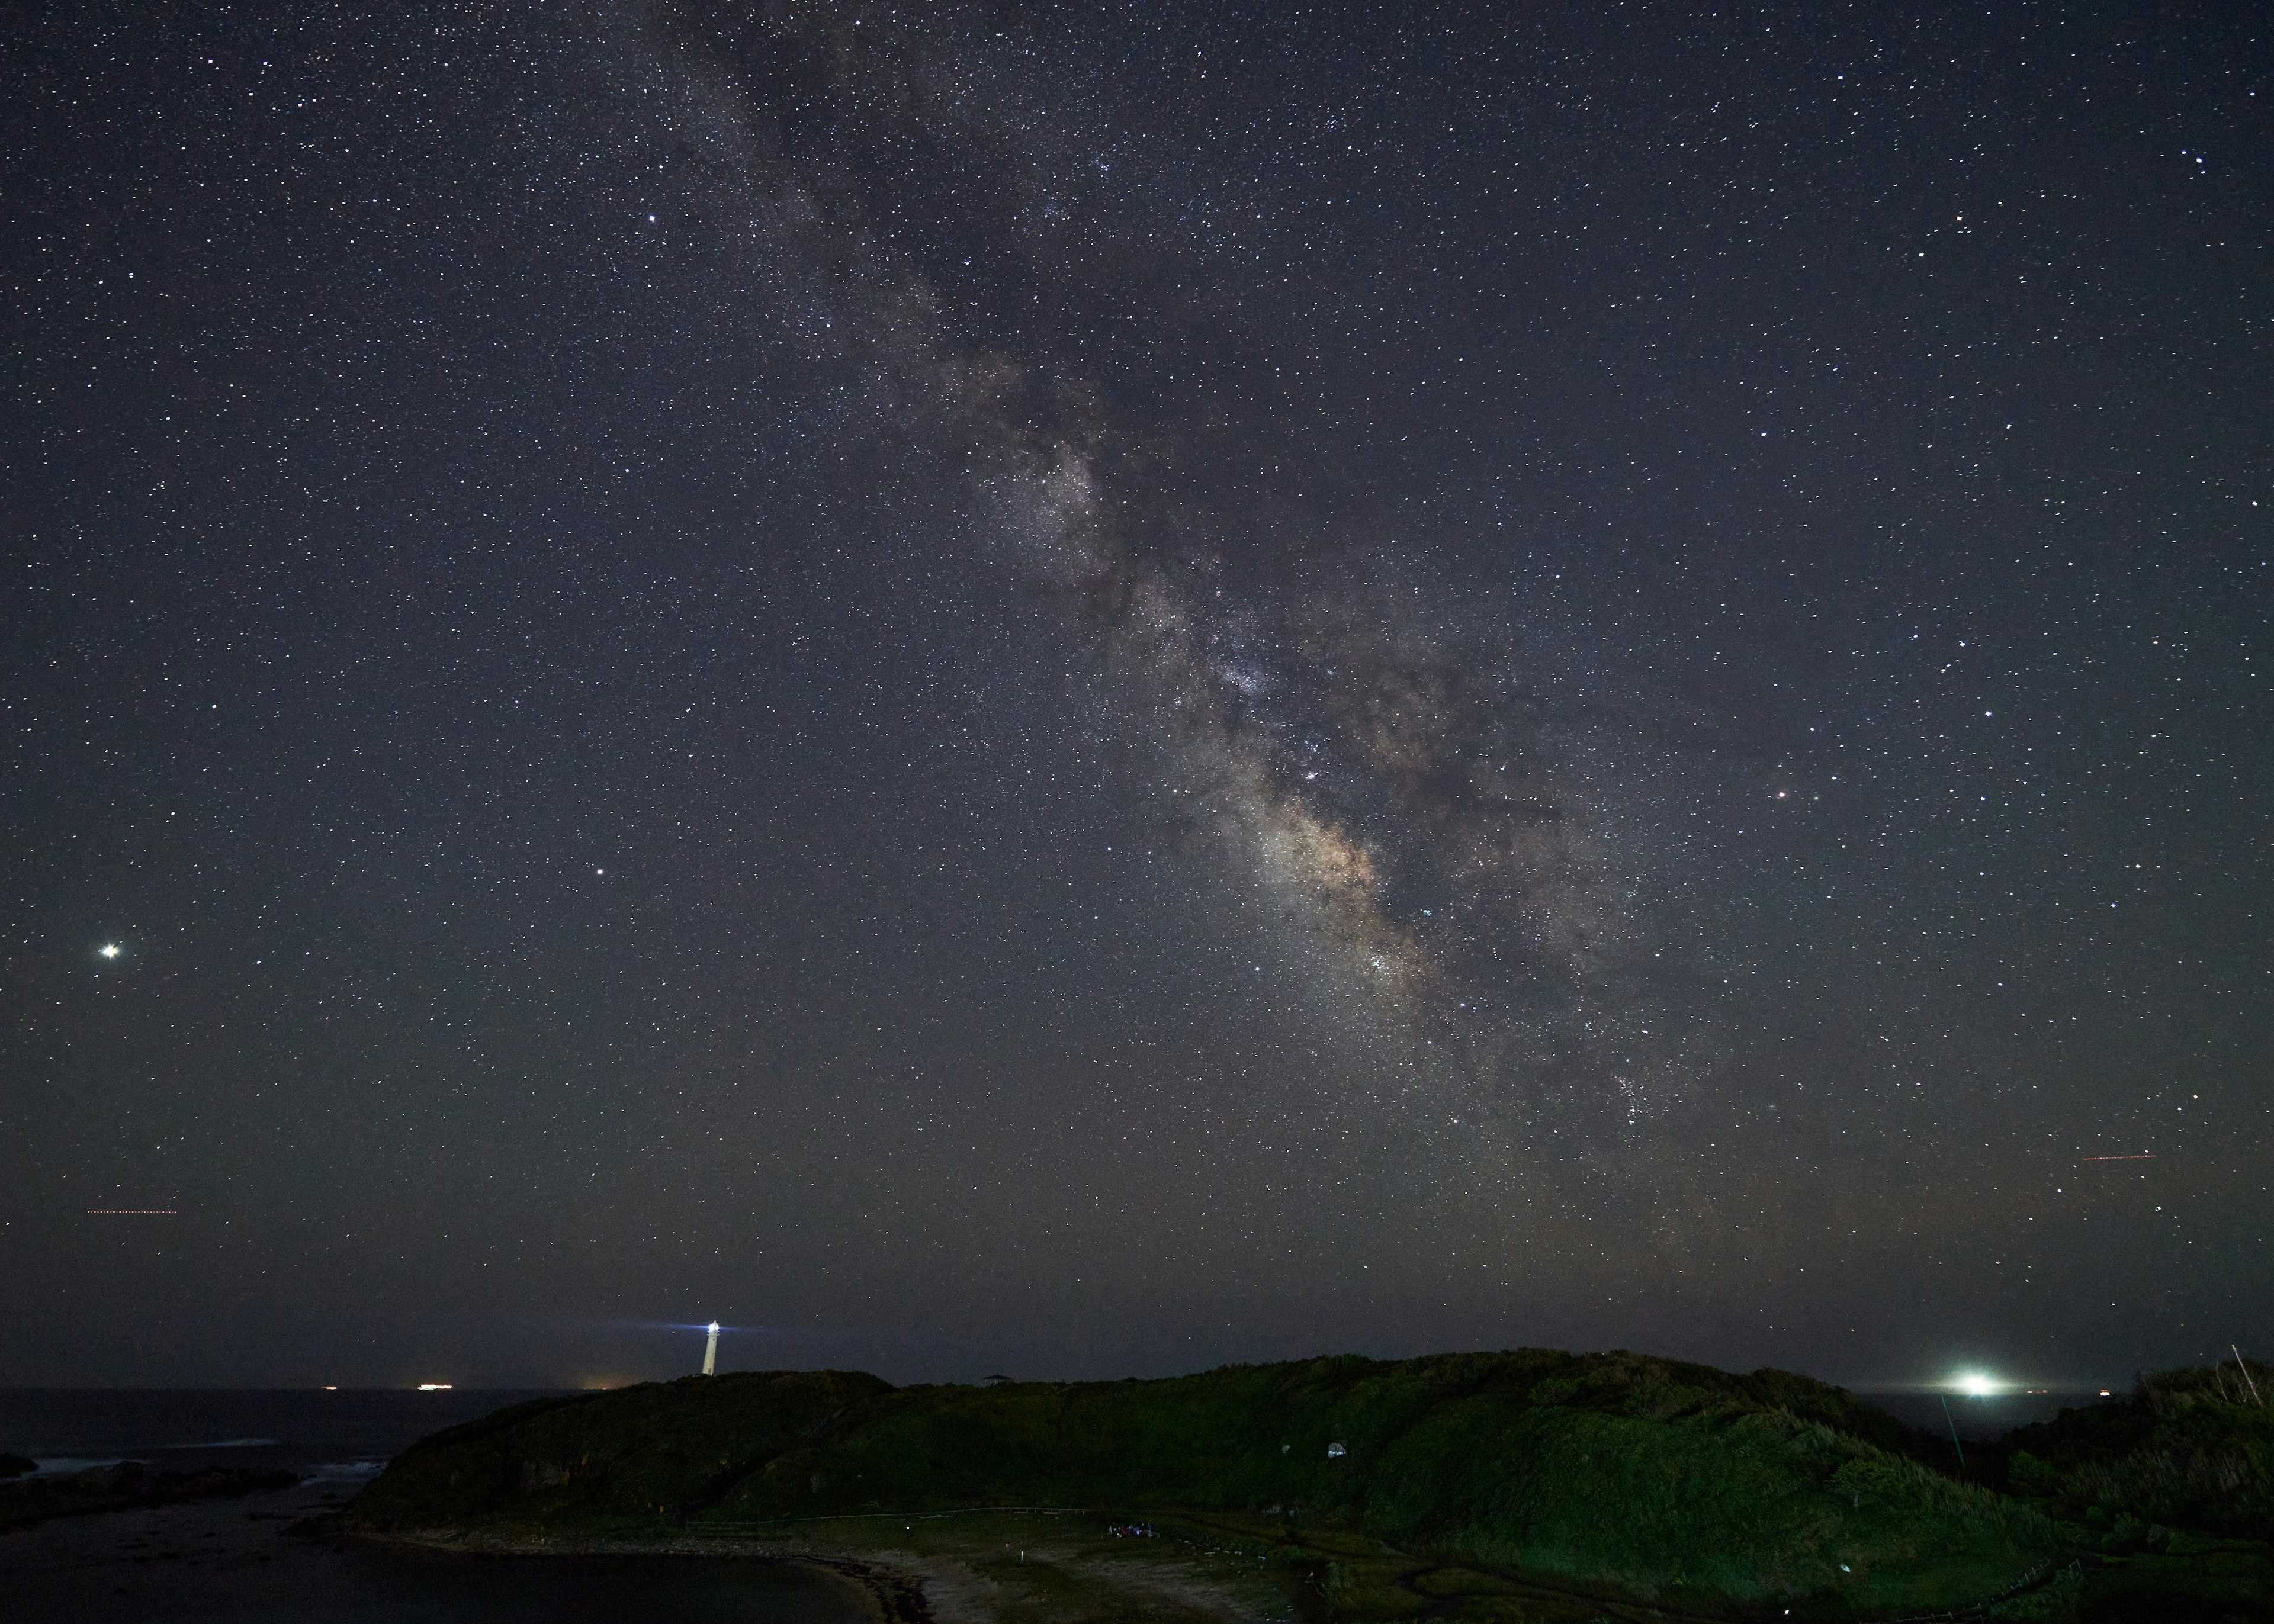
{"x":208,"y":1561}
{"x":342,"y":1436}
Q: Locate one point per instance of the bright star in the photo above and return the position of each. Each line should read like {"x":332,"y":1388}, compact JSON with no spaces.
{"x":109,"y":950}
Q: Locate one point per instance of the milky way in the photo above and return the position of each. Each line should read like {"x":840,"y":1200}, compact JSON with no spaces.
{"x":1442,"y":823}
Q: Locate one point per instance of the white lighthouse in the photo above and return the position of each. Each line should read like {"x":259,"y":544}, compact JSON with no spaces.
{"x":710,"y":1351}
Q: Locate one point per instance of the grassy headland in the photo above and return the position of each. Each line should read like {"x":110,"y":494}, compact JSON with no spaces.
{"x":2187,"y":1449}
{"x":2170,"y":1488}
{"x":1614,"y":1476}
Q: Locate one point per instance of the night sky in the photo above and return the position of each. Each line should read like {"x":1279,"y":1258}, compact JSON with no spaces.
{"x":1088,"y":694}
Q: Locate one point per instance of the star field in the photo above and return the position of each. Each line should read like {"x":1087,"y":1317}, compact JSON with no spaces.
{"x":1091,"y":694}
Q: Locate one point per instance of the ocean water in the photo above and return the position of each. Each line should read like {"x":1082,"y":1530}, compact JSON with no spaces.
{"x":339,"y":1435}
{"x":214,"y":1560}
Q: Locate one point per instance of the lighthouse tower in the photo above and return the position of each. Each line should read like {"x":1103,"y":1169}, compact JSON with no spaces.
{"x":711,"y":1352}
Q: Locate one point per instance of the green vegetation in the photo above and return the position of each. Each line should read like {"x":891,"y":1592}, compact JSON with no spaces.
{"x":2188,"y":1450}
{"x":1521,"y":1484}
{"x":2172,"y":1489}
{"x":636,"y":1454}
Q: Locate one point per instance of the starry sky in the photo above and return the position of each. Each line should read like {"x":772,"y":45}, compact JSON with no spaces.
{"x":1087,"y":692}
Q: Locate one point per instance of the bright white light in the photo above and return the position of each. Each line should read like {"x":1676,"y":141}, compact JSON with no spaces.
{"x":1975,"y":1385}
{"x":109,"y":950}
{"x":714,"y":1328}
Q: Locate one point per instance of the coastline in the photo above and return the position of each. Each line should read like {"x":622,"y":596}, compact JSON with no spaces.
{"x":129,"y":1485}
{"x":888,"y":1594}
{"x":220,"y":1561}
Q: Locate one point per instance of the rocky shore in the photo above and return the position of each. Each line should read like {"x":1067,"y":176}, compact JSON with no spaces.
{"x":27,"y":1501}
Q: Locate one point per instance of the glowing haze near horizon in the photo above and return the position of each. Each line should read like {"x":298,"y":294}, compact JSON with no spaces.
{"x":1088,"y":695}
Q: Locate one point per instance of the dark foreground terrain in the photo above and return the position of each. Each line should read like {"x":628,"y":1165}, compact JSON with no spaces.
{"x":235,"y":1562}
{"x":1529,"y":1484}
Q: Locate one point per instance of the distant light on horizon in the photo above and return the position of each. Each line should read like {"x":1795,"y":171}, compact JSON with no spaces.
{"x":1974,"y":1384}
{"x":433,"y":1386}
